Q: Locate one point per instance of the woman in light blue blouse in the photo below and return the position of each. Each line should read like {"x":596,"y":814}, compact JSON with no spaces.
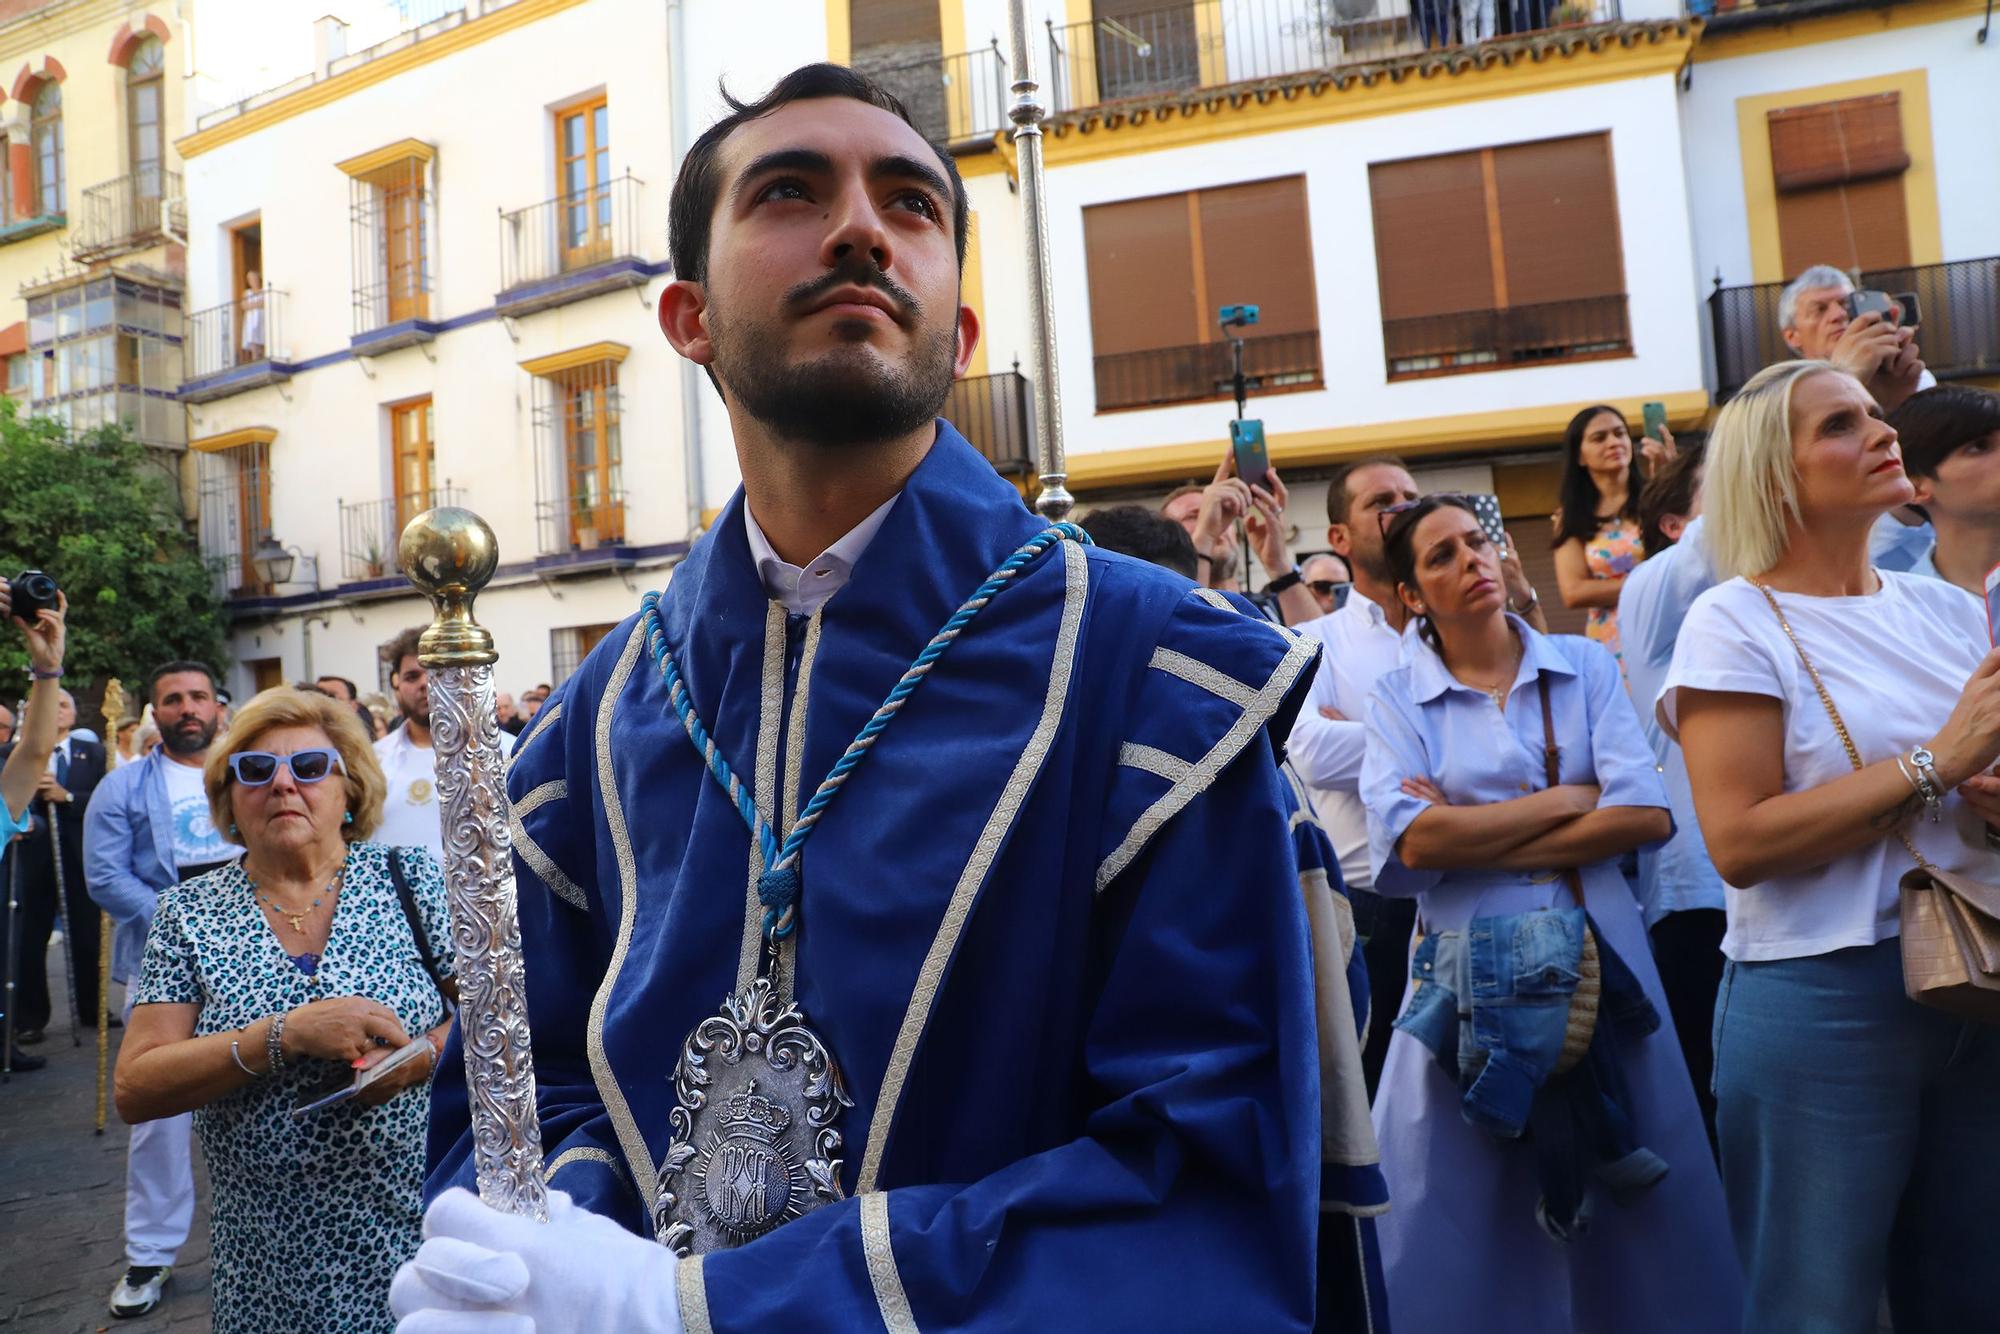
{"x":1462,"y":817}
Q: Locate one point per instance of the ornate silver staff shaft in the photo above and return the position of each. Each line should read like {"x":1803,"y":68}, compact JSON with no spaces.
{"x":449,"y":554}
{"x":1054,"y":500}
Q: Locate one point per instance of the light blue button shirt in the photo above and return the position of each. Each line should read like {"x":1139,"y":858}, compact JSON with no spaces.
{"x":1651,"y":606}
{"x":1423,"y":721}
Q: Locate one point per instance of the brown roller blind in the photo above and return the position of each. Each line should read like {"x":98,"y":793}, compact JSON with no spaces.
{"x":874,"y":23}
{"x":1256,"y":249}
{"x":1558,"y":220}
{"x":1432,"y":252}
{"x":1833,"y":142}
{"x":1140,"y":257}
{"x":1857,"y":225}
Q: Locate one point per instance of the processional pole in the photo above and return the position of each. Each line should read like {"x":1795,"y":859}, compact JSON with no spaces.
{"x":1027,"y":112}
{"x":114,"y":718}
{"x":450,"y":554}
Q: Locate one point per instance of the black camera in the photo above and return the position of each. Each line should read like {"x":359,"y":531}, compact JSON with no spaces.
{"x":34,"y":592}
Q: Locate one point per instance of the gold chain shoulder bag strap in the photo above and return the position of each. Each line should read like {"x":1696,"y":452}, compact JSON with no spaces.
{"x":1950,"y":921}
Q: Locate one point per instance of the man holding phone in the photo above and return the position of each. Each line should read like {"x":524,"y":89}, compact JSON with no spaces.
{"x":1822,"y":318}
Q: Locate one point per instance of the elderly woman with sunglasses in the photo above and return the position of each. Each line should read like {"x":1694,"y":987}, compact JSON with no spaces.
{"x":277,"y":976}
{"x":1505,"y":776}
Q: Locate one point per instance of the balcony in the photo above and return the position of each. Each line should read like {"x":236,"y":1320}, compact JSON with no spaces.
{"x":1199,"y":371}
{"x":21,"y":229}
{"x":235,"y":346}
{"x":995,"y":416}
{"x":570,"y":247}
{"x":1467,"y":342}
{"x":132,"y":212}
{"x":952,"y":99}
{"x":1959,"y":335}
{"x":1212,"y":43}
{"x":370,"y":530}
{"x":236,"y":582}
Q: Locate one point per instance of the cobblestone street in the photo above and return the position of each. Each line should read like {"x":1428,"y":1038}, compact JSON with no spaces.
{"x":62,"y":1198}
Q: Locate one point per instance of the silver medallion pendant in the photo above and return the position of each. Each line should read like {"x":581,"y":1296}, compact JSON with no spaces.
{"x":756,"y":1095}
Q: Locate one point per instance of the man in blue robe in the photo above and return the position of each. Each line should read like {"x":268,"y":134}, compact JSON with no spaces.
{"x":1050,"y":928}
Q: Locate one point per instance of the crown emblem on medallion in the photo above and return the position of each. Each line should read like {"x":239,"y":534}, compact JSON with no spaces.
{"x":754,"y":1113}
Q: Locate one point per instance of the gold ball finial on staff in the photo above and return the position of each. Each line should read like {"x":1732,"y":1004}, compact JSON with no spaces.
{"x":449,"y":554}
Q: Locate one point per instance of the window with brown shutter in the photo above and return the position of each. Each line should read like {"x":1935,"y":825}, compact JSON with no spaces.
{"x":1500,"y":257}
{"x":1833,"y":142}
{"x":1159,"y":269}
{"x":875,"y":23}
{"x":1838,"y":168}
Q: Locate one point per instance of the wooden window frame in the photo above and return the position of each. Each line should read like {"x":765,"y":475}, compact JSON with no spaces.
{"x":591,"y":391}
{"x":411,"y":502}
{"x":45,"y":138}
{"x":253,"y":511}
{"x":149,"y":81}
{"x":595,"y":247}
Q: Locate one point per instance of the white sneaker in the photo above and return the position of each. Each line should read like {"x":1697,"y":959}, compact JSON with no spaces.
{"x":141,"y":1289}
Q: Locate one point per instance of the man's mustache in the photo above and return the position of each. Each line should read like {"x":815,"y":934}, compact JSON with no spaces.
{"x":855,"y":273}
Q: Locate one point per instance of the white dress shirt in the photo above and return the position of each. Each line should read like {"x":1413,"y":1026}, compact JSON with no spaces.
{"x":804,"y":590}
{"x":1360,"y":647}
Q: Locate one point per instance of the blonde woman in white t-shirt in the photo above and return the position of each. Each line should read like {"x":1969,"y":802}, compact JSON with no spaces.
{"x":1860,"y":1132}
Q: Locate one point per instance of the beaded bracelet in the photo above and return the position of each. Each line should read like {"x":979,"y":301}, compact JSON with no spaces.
{"x":274,"y":1043}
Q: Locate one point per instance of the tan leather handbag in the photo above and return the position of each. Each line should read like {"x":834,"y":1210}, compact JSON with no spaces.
{"x":1950,"y":921}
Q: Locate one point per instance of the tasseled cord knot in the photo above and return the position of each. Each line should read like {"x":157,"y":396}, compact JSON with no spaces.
{"x":778,"y":891}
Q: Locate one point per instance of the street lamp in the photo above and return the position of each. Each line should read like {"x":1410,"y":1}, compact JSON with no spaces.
{"x":273,"y":561}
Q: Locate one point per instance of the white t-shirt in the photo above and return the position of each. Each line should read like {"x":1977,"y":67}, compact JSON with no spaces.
{"x":1895,"y":662}
{"x":197,"y":842}
{"x":410,"y":811}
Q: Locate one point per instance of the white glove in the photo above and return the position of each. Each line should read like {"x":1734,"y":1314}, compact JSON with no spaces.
{"x":480,"y":1271}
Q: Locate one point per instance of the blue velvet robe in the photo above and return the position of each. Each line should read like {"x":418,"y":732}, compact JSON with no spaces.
{"x":1052,"y":931}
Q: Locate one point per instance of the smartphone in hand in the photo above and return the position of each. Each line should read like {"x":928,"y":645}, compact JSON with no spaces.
{"x":1656,"y":421}
{"x":1993,"y":606}
{"x":1246,"y":443}
{"x":344,"y":1082}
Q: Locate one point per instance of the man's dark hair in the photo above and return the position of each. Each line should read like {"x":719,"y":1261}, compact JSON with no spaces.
{"x":401,"y":647}
{"x":691,"y":212}
{"x":175,"y":668}
{"x":1134,"y":530}
{"x":1338,"y":500}
{"x":1670,"y":492}
{"x":353,"y":691}
{"x":312,"y":688}
{"x":1939,"y":422}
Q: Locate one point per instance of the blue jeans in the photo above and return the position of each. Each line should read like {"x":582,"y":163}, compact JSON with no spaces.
{"x":1860,"y":1146}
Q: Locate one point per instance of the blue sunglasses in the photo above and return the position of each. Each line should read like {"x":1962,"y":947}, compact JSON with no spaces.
{"x":255,"y":768}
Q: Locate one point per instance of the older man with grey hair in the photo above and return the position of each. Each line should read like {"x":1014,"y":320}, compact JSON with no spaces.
{"x":1813,"y":320}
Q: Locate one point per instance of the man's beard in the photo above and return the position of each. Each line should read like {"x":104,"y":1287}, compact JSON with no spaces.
{"x":420,"y":713}
{"x":184,"y":741}
{"x":1374,"y":564}
{"x":847,"y":395}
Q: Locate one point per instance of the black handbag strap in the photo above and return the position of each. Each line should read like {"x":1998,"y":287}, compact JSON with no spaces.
{"x":408,"y":900}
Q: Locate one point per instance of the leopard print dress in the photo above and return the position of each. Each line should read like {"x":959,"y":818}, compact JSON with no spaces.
{"x":311,"y":1215}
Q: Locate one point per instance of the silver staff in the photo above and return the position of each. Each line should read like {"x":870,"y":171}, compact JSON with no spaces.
{"x":449,"y":554}
{"x":1054,"y":500}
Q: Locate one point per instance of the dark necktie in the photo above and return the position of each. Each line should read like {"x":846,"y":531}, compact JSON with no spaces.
{"x":62,"y":767}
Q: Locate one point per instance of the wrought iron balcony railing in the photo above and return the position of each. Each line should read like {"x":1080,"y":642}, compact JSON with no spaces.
{"x":129,"y":212}
{"x":1958,"y":333}
{"x":245,"y":332}
{"x":953,"y":98}
{"x":1210,"y":43}
{"x":1468,"y":341}
{"x":559,"y":249}
{"x":1199,"y":371}
{"x":993,"y":413}
{"x":370,"y":529}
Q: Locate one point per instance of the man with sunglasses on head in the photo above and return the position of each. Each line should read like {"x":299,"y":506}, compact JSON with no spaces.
{"x":147,"y":829}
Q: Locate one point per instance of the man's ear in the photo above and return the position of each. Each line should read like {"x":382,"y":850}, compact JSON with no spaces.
{"x":683,"y":319}
{"x":968,"y":339}
{"x":1341,"y":539}
{"x":1791,"y":337}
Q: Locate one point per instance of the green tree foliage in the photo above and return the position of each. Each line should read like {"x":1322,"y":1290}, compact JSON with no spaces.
{"x":101,"y":514}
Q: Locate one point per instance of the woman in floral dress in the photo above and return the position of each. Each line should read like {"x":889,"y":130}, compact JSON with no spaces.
{"x":1597,"y":527}
{"x":267,"y":978}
